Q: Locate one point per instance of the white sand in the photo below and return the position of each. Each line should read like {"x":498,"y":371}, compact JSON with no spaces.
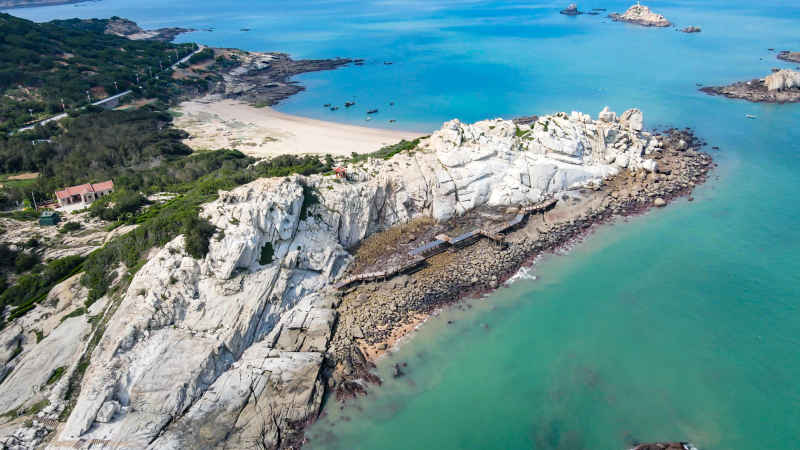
{"x":264,"y":132}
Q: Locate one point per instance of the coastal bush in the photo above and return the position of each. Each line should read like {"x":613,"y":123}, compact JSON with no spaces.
{"x":202,"y":55}
{"x":25,"y":261}
{"x":56,"y":375}
{"x":267,"y":253}
{"x":117,"y":205}
{"x":32,"y":288}
{"x":197,"y":232}
{"x":386,"y":152}
{"x":70,"y":227}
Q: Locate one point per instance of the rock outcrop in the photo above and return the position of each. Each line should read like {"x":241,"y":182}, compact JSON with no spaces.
{"x":786,"y":55}
{"x":782,"y":86}
{"x":129,"y":29}
{"x":641,"y":15}
{"x":691,"y":29}
{"x":229,"y":351}
{"x":571,"y":10}
{"x":782,"y":80}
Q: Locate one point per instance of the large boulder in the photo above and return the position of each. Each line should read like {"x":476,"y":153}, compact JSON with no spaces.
{"x":782,"y":80}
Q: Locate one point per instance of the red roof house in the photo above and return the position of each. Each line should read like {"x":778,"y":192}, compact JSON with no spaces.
{"x":84,"y":193}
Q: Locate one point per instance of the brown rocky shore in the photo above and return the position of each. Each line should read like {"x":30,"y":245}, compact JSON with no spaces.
{"x":258,"y":78}
{"x":782,"y":86}
{"x":789,"y":56}
{"x":373,"y":316}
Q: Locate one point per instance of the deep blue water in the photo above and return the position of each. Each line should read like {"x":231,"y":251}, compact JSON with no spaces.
{"x":681,"y":324}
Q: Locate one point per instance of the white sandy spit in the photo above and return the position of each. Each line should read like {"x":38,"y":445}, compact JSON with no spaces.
{"x":264,"y":132}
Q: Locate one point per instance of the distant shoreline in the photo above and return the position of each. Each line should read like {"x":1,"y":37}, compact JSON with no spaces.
{"x":19,"y":4}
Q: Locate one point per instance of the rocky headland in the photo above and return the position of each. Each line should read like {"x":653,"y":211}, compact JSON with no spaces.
{"x":237,"y":350}
{"x":782,"y":86}
{"x":129,"y":29}
{"x":641,"y":15}
{"x":258,"y":78}
{"x":666,"y":446}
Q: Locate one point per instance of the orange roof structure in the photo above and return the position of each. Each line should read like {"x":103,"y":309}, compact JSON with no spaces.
{"x":85,"y":189}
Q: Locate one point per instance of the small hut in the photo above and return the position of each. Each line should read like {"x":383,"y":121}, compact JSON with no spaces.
{"x":49,"y":217}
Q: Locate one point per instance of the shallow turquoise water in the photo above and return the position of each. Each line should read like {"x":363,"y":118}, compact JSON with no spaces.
{"x":680,"y":324}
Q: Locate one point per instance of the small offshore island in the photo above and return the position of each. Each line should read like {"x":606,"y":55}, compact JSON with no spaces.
{"x":641,"y":15}
{"x":782,"y":86}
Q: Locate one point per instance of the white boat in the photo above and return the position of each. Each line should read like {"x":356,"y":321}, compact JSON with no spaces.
{"x":750,"y":116}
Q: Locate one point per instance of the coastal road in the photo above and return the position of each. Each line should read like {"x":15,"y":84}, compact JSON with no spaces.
{"x":108,"y":99}
{"x":62,"y":115}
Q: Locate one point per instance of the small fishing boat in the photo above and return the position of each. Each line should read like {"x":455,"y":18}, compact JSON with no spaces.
{"x":387,"y":63}
{"x":368,"y":119}
{"x":392,"y":121}
{"x":326,"y":105}
{"x":372,"y":111}
{"x":349,"y":104}
{"x":750,"y":116}
{"x":334,"y":108}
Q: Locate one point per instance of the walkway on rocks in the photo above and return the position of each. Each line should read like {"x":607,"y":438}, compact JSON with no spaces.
{"x":443,"y":242}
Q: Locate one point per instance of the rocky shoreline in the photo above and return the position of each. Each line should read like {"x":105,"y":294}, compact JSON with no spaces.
{"x":129,"y":29}
{"x":370,"y":313}
{"x":789,"y":56}
{"x":238,"y":349}
{"x":265,"y":79}
{"x":782,"y":86}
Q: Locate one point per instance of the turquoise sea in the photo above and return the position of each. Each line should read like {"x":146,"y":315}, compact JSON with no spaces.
{"x":682,"y":324}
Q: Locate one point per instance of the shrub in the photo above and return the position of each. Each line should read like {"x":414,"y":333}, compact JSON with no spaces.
{"x":197,"y":232}
{"x":25,"y":261}
{"x":70,"y":227}
{"x":267,"y":252}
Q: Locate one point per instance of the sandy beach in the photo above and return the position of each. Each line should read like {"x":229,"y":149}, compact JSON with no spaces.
{"x":265,"y":132}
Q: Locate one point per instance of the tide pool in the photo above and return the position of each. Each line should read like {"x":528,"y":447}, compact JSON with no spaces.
{"x":681,"y":324}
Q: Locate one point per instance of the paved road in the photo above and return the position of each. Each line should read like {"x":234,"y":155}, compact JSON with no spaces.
{"x":108,"y":99}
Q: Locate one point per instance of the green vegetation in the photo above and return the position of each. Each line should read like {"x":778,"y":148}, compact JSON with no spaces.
{"x":43,"y":63}
{"x":159,"y":224}
{"x":77,"y":313}
{"x":92,"y":147}
{"x":203,"y":55}
{"x":121,"y":204}
{"x":70,"y":227}
{"x":267,"y":253}
{"x":32,"y":288}
{"x":56,"y":375}
{"x":386,"y":152}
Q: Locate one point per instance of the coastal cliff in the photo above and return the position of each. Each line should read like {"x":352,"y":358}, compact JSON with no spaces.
{"x":641,"y":15}
{"x":235,"y":350}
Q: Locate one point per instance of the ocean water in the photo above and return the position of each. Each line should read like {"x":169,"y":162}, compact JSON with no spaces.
{"x":683,"y":323}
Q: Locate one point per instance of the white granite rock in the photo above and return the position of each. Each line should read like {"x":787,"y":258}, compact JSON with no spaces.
{"x":227,"y":349}
{"x":782,"y":80}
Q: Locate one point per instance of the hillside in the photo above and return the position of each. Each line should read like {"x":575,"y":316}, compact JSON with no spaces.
{"x":49,"y":67}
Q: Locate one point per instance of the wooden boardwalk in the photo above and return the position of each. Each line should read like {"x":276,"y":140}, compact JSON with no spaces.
{"x":443,"y":242}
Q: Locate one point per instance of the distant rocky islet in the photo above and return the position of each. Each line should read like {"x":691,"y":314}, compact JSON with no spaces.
{"x":781,"y":86}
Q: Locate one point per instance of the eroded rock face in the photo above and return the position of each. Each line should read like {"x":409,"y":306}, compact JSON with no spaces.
{"x":782,"y":80}
{"x":641,"y":15}
{"x":228,"y":351}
